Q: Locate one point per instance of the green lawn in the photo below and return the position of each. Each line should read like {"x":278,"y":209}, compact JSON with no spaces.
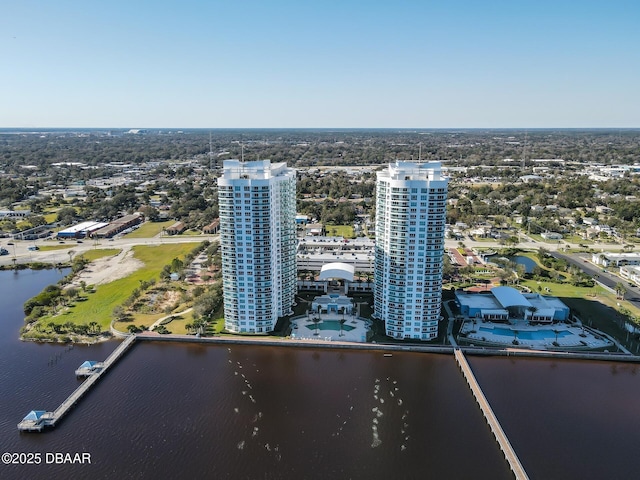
{"x":100,"y":304}
{"x":146,"y":319}
{"x":50,"y":217}
{"x":192,"y":232}
{"x":48,"y":248}
{"x":595,"y":306}
{"x":577,"y":239}
{"x":179,"y":322}
{"x":150,"y":229}
{"x":538,"y":238}
{"x":178,"y":325}
{"x":345,"y":231}
{"x":557,"y":289}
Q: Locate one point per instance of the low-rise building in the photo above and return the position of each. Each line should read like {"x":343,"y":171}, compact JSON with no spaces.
{"x":42,"y":231}
{"x":212,"y":228}
{"x":551,"y":236}
{"x":314,"y":229}
{"x":17,"y":214}
{"x":119,"y":225}
{"x":176,"y":229}
{"x":631,"y":273}
{"x":314,"y":252}
{"x":81,"y":230}
{"x":607,"y":259}
{"x":504,"y":303}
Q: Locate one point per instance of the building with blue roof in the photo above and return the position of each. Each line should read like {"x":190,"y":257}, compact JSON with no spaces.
{"x":502,"y":304}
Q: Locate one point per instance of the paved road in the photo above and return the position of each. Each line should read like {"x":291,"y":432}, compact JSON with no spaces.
{"x":19,"y":251}
{"x":582,"y":260}
{"x":20,"y":248}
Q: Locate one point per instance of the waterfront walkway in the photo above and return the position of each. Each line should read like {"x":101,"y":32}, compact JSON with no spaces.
{"x":494,"y":424}
{"x":162,"y":320}
{"x":50,"y":419}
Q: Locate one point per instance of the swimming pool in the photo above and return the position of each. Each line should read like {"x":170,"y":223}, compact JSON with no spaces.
{"x":526,"y":334}
{"x":330,"y":325}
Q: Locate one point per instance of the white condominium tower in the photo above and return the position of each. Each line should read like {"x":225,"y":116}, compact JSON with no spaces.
{"x":258,"y":241}
{"x":410,"y":218}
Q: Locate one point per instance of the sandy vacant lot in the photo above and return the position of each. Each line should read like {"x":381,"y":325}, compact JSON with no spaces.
{"x":108,"y":269}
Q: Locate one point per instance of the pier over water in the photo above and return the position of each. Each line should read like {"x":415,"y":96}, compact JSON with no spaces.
{"x":496,"y":428}
{"x":50,"y":419}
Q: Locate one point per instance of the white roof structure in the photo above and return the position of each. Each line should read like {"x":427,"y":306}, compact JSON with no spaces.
{"x":340,"y":270}
{"x":510,"y":297}
{"x":84,"y":226}
{"x":545,"y":306}
{"x":475,"y":300}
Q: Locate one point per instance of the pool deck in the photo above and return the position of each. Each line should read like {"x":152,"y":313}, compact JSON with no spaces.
{"x":304,"y":328}
{"x":570,"y":336}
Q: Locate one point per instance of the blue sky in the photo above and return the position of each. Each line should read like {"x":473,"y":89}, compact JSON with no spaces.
{"x":277,"y":63}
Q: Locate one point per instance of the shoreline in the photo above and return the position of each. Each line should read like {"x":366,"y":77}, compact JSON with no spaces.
{"x":341,"y":345}
{"x":384,"y":347}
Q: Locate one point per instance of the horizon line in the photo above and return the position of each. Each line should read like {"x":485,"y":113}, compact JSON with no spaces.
{"x":316,"y":128}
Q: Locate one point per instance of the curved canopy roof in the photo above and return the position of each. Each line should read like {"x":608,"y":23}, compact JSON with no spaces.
{"x":340,"y":270}
{"x":510,"y":297}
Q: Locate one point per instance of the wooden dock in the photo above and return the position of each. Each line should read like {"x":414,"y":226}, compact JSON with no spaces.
{"x":50,"y":419}
{"x":494,"y":424}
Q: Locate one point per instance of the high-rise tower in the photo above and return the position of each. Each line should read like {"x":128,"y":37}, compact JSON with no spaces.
{"x":410,"y":219}
{"x":258,"y":241}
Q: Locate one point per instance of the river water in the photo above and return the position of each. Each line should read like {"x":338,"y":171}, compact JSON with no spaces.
{"x":197,"y":411}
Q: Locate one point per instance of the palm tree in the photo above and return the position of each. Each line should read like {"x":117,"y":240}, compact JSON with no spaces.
{"x":199,"y":325}
{"x":316,"y":320}
{"x":82,"y":329}
{"x":369,"y":277}
{"x":620,"y":290}
{"x":133,"y":329}
{"x":342,"y":310}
